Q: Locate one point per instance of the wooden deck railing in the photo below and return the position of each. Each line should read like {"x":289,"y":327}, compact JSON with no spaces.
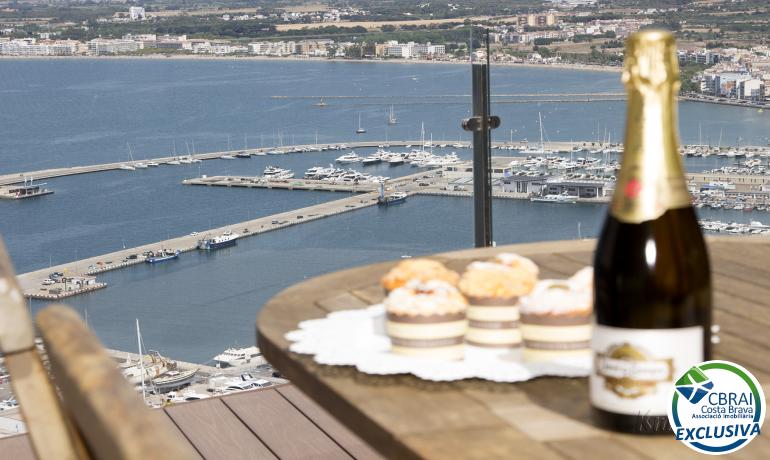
{"x":99,"y":415}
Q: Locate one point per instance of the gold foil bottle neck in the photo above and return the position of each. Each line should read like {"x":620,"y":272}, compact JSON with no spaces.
{"x":651,"y":61}
{"x":651,"y":179}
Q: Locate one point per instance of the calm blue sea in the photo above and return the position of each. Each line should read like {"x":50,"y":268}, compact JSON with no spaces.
{"x":71,"y":112}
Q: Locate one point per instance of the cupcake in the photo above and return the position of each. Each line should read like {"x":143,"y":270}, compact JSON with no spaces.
{"x":419,"y":269}
{"x":493,"y":291}
{"x":517,"y":262}
{"x":583,"y":280}
{"x":556,"y":320}
{"x":427,"y":319}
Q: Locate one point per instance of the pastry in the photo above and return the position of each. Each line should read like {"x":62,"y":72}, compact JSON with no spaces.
{"x":427,"y":319}
{"x":420,"y":269}
{"x":556,"y":320}
{"x":493,"y":291}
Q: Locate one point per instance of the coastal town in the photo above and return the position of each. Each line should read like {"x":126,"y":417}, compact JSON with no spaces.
{"x":566,"y":33}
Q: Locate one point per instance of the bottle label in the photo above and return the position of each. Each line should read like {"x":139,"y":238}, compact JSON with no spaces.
{"x":634,"y":369}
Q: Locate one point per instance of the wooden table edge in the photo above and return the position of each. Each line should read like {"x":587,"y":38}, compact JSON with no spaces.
{"x":347,"y":413}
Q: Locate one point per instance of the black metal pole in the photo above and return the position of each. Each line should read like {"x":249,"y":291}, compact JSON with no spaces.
{"x":482,"y":192}
{"x":481,"y":124}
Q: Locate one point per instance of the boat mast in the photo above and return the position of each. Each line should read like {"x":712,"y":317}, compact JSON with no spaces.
{"x":542,"y":144}
{"x":141,"y":358}
{"x":422,"y":136}
{"x":700,"y":134}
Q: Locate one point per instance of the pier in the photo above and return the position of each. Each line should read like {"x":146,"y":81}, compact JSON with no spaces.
{"x":31,"y":282}
{"x":557,"y":146}
{"x":359,"y":195}
{"x":13,"y":178}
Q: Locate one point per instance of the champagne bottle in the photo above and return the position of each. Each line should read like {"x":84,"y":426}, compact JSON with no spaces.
{"x":651,"y":271}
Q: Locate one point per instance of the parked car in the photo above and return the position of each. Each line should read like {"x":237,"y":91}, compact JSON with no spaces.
{"x":48,"y":282}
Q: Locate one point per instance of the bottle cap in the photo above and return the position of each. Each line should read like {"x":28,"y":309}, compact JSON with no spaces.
{"x":651,"y":60}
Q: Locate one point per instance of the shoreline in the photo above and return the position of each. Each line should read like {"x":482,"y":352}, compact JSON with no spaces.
{"x":192,"y":57}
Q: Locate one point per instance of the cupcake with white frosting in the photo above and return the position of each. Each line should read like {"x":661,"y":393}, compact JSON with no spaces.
{"x":419,"y":269}
{"x":493,"y":292}
{"x":556,"y":319}
{"x":518,"y":262}
{"x":427,"y":319}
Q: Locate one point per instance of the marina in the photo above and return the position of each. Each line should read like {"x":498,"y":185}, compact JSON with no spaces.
{"x":546,"y":179}
{"x":93,"y":216}
{"x":523,"y":147}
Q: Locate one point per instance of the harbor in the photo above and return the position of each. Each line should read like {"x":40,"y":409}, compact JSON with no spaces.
{"x":547,"y":178}
{"x":34,"y":283}
{"x":521,"y":146}
{"x":222,"y":126}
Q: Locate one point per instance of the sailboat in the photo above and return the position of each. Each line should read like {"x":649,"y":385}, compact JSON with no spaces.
{"x":138,"y":164}
{"x":541,"y":150}
{"x":360,"y":130}
{"x":228,"y":156}
{"x":321,"y":103}
{"x":156,"y":371}
{"x":392,"y":120}
{"x":128,"y":166}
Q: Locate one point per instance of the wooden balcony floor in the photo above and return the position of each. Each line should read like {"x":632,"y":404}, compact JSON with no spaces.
{"x":269,"y":423}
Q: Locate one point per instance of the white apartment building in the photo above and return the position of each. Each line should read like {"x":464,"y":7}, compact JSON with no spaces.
{"x":100,"y":46}
{"x":753,"y":89}
{"x":136,"y":13}
{"x":413,"y":50}
{"x":30,"y":47}
{"x":273,"y":48}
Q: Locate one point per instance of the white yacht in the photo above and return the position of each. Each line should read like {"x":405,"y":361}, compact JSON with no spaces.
{"x":351,"y":157}
{"x":125,"y":167}
{"x":273,"y":172}
{"x":153,"y":164}
{"x":571,"y":199}
{"x":233,"y":357}
{"x":396,"y":159}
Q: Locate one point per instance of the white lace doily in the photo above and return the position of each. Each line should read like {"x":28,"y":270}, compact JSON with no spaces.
{"x":357,"y":338}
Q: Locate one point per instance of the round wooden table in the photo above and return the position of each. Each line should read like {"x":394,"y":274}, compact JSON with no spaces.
{"x":405,"y":417}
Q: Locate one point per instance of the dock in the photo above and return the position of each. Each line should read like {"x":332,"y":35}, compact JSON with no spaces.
{"x":359,"y":195}
{"x":19,"y":177}
{"x":31,"y":282}
{"x":562,"y":146}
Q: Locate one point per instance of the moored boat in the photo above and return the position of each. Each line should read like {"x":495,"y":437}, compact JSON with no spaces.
{"x":393,"y":198}
{"x":154,"y":257}
{"x":555,"y":199}
{"x":224,"y":240}
{"x":239,"y":356}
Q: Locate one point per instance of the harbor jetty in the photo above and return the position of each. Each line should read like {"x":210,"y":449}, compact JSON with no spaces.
{"x":185,"y":160}
{"x":32,"y":283}
{"x":525,"y":175}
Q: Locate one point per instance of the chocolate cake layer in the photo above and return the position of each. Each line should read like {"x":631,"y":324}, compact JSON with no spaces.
{"x":555,"y":320}
{"x":426,"y":343}
{"x":492,"y":301}
{"x":426,"y":319}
